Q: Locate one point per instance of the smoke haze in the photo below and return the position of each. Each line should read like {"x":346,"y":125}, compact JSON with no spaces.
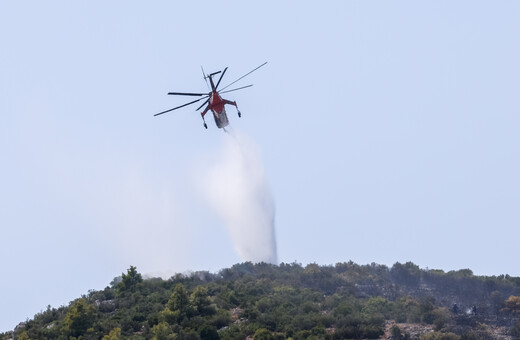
{"x":238,"y":191}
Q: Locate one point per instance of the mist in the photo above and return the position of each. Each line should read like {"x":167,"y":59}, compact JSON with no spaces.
{"x":238,"y":191}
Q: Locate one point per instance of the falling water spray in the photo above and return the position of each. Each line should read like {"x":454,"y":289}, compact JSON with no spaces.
{"x":238,"y":191}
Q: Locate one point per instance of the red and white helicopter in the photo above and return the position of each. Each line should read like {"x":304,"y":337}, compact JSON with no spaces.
{"x":215,"y":102}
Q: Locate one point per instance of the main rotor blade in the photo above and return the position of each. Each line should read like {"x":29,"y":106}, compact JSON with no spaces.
{"x":222,"y":75}
{"x":205,"y":78}
{"x":207,"y":100}
{"x":240,"y":88}
{"x":244,"y":75}
{"x":178,"y":107}
{"x":187,"y":94}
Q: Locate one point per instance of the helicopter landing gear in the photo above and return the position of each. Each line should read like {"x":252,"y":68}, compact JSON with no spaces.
{"x":205,"y":125}
{"x":235,"y":105}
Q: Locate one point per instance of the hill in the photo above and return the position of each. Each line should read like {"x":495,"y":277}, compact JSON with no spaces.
{"x":264,"y":301}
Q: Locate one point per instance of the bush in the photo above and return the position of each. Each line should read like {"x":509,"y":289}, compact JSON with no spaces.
{"x":396,"y":332}
{"x":439,"y":336}
{"x":515,"y":331}
{"x":472,"y":336}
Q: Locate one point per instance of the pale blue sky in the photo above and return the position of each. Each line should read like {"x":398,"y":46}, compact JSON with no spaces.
{"x":389,"y":132}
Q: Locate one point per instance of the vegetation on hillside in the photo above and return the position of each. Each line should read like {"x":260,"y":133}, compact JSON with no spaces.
{"x":264,"y":301}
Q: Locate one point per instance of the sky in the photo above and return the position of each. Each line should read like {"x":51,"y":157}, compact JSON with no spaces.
{"x":387,"y":132}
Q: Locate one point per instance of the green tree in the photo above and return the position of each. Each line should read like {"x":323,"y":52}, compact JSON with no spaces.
{"x":179,"y":302}
{"x":441,"y":316}
{"x":262,"y":334}
{"x":188,"y":334}
{"x":79,"y":319}
{"x":23,"y":336}
{"x":168,"y":316}
{"x":377,"y":305}
{"x":162,"y":331}
{"x":208,"y":332}
{"x":408,"y":273}
{"x":427,"y":306}
{"x":130,"y":281}
{"x":201,"y":302}
{"x":114,"y":334}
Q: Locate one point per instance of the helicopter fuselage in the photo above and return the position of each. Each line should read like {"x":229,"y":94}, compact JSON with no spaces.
{"x":217,"y":107}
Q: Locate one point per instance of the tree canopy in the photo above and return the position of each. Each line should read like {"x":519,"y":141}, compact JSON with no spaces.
{"x":264,"y":301}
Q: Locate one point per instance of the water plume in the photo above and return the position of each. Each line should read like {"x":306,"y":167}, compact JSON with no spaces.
{"x":238,"y":191}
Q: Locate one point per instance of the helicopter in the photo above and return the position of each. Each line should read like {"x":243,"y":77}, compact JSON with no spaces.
{"x":214,"y":101}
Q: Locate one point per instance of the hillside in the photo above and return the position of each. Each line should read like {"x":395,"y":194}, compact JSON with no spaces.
{"x":263,"y":301}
